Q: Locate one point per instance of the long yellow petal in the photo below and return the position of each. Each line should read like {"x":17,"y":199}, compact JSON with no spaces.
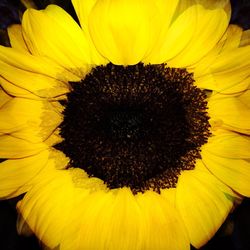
{"x":231,"y":71}
{"x":36,"y":64}
{"x":118,"y":219}
{"x":93,"y":222}
{"x":24,"y":118}
{"x":122,"y":221}
{"x":233,"y":172}
{"x":225,"y":69}
{"x":46,"y":207}
{"x":204,"y":203}
{"x":170,"y":195}
{"x":228,"y":144}
{"x":182,"y":29}
{"x":16,"y":175}
{"x":234,"y":35}
{"x":83,"y":9}
{"x":4,"y":97}
{"x":16,"y":38}
{"x":230,"y":40}
{"x":13,"y":90}
{"x":210,"y":26}
{"x":176,"y":37}
{"x":161,"y":230}
{"x":124,"y":31}
{"x":11,"y":147}
{"x":54,"y":34}
{"x":38,"y":84}
{"x":164,"y":17}
{"x":119,"y":226}
{"x":245,"y":98}
{"x":45,"y":211}
{"x":234,"y":113}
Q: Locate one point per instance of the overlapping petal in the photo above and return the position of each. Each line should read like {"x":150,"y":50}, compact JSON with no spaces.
{"x":233,"y":172}
{"x":35,"y":64}
{"x":12,"y":147}
{"x":16,"y":38}
{"x":175,"y":38}
{"x":210,"y":26}
{"x":204,"y":203}
{"x":123,"y":31}
{"x":67,"y":45}
{"x":129,"y":222}
{"x":34,"y":125}
{"x":232,"y":111}
{"x":4,"y":98}
{"x":229,"y":145}
{"x":30,"y":82}
{"x":25,"y":172}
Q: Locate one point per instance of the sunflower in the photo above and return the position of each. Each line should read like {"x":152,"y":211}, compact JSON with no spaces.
{"x":129,"y":130}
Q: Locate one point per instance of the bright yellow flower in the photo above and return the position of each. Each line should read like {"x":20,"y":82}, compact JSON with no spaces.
{"x":129,"y":132}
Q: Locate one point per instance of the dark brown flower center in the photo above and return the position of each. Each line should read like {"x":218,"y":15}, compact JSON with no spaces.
{"x":135,"y":126}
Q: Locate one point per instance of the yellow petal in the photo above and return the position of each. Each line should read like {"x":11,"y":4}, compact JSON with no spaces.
{"x":83,"y":9}
{"x":54,"y":34}
{"x":204,"y":203}
{"x":162,"y":20}
{"x":124,"y":31}
{"x":16,"y":175}
{"x":36,"y":64}
{"x":209,"y":28}
{"x":121,"y":221}
{"x":231,"y":83}
{"x":46,"y":207}
{"x":232,"y":59}
{"x":245,"y":39}
{"x":175,"y":38}
{"x":54,"y":202}
{"x":224,"y":69}
{"x":231,"y":71}
{"x":37,"y":84}
{"x":163,"y":228}
{"x":4,"y":97}
{"x":232,"y":111}
{"x":170,"y":195}
{"x":230,"y":40}
{"x":234,"y":36}
{"x":233,"y":172}
{"x":24,"y":118}
{"x":245,"y":98}
{"x":13,"y":90}
{"x":202,"y":67}
{"x":117,"y":219}
{"x":228,"y":144}
{"x":16,"y":38}
{"x":94,"y":211}
{"x":11,"y":147}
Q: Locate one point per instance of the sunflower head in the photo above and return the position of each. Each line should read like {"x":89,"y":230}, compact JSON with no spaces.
{"x":139,"y":125}
{"x":128,"y":130}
